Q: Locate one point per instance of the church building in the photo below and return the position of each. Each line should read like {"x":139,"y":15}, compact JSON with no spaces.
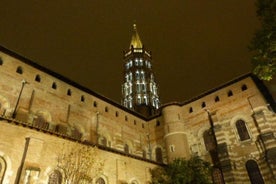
{"x":42,"y":114}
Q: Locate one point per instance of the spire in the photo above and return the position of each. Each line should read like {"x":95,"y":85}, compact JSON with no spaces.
{"x":135,"y":39}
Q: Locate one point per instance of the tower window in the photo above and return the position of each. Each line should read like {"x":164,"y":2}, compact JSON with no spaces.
{"x":141,"y":62}
{"x":116,"y":113}
{"x":137,"y":75}
{"x":69,"y":92}
{"x":142,"y":74}
{"x":242,"y":130}
{"x":130,"y":76}
{"x":217,"y":99}
{"x":130,"y":63}
{"x":126,"y":118}
{"x":244,"y":87}
{"x":134,"y":122}
{"x":54,"y":85}
{"x":230,"y":93}
{"x":203,"y":104}
{"x":19,"y":70}
{"x":190,"y":110}
{"x":136,"y":62}
{"x":145,"y":99}
{"x":95,"y":104}
{"x":37,"y":78}
{"x":139,"y":100}
{"x":106,"y":109}
{"x":1,"y":61}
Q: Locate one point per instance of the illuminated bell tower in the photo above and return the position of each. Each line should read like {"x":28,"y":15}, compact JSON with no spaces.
{"x":139,"y":90}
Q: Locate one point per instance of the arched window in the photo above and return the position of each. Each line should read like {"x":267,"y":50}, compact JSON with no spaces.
{"x":2,"y":169}
{"x":230,"y":93}
{"x":242,"y":130}
{"x":69,"y":92}
{"x":37,"y":78}
{"x":244,"y":87}
{"x":190,"y":110}
{"x":217,"y":176}
{"x":126,"y":148}
{"x":54,"y":85}
{"x":253,"y":172}
{"x":217,"y":99}
{"x":158,"y":155}
{"x":100,"y":181}
{"x":19,"y":70}
{"x":55,"y":177}
{"x":209,"y":140}
{"x":203,"y":104}
{"x":82,"y":98}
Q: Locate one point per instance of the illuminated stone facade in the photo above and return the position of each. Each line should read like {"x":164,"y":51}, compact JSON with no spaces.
{"x":41,"y":111}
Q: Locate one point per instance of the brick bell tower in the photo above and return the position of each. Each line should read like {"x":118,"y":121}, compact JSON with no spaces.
{"x":139,"y":89}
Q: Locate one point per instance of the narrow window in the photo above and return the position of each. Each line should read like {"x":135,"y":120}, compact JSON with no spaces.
{"x":143,"y":126}
{"x":134,"y":122}
{"x":37,"y":78}
{"x":244,"y":87}
{"x":242,"y":130}
{"x":254,"y":173}
{"x":158,"y":155}
{"x":1,"y":61}
{"x":54,"y":85}
{"x":126,"y":118}
{"x":82,"y":98}
{"x":19,"y":70}
{"x":190,"y":110}
{"x":217,"y":99}
{"x":106,"y":109}
{"x":230,"y":93}
{"x":95,"y":104}
{"x":69,"y":93}
{"x":116,"y":113}
{"x":203,"y":105}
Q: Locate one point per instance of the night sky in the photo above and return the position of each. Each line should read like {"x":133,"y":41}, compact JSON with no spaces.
{"x":196,"y":45}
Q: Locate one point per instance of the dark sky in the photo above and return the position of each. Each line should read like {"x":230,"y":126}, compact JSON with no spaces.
{"x":196,"y":45}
